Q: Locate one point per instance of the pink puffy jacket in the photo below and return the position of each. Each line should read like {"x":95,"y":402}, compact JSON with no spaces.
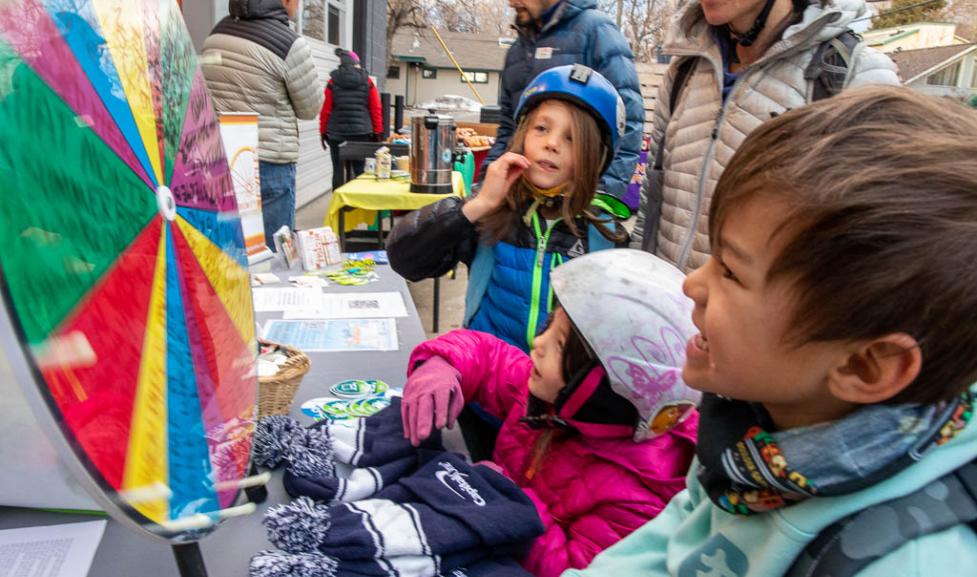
{"x":590,"y":492}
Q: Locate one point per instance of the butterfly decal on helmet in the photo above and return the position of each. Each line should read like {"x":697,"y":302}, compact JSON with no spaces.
{"x":651,"y":378}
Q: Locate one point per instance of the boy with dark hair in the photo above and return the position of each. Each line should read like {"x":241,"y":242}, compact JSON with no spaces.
{"x":837,"y":352}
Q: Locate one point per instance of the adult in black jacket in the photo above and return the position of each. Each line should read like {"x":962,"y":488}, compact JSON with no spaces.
{"x":351,"y":110}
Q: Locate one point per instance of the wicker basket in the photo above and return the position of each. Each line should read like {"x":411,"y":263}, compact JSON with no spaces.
{"x":275,"y":393}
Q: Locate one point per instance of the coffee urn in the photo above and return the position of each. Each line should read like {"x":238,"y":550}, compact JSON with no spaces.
{"x":432,"y":147}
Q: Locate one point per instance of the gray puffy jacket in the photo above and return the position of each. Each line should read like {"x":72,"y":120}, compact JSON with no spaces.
{"x":703,"y":132}
{"x":253,"y":62}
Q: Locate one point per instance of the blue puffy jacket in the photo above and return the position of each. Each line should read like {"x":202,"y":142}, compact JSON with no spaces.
{"x":509,"y":293}
{"x":576,"y":32}
{"x":508,"y":282}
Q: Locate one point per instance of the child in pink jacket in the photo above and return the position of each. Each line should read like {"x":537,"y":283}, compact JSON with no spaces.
{"x":599,"y":428}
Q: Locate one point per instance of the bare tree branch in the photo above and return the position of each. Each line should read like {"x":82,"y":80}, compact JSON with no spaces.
{"x":909,"y":11}
{"x":402,"y":14}
{"x":644,"y":24}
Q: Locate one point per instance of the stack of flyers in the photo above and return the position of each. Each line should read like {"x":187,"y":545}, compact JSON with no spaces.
{"x":318,"y":248}
{"x":284,"y":242}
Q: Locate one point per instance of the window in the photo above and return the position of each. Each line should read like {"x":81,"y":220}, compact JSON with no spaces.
{"x":973,"y":76}
{"x":393,"y":72}
{"x":945,"y":77}
{"x":475,"y":77}
{"x":429,"y":73}
{"x":313,"y":19}
{"x":334,"y":20}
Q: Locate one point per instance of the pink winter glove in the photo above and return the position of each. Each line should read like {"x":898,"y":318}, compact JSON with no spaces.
{"x":432,"y":398}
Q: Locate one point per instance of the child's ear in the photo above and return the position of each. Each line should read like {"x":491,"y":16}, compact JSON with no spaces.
{"x":877,"y":370}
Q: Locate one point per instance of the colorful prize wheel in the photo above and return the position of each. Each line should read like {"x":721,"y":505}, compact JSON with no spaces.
{"x":122,"y":264}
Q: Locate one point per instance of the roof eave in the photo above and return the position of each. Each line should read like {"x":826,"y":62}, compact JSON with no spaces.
{"x":410,"y":58}
{"x":893,"y":38}
{"x":936,"y":67}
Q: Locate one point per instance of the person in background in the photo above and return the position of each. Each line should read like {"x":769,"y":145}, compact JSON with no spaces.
{"x":560,"y":32}
{"x":836,"y":353}
{"x":351,"y":111}
{"x":599,"y":428}
{"x":735,"y":65}
{"x":253,"y":62}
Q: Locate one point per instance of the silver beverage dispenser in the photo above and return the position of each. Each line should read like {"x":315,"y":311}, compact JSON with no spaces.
{"x":432,"y":147}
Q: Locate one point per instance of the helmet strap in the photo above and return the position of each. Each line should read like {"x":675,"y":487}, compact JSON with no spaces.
{"x":543,"y":415}
{"x":750,"y":36}
{"x":587,"y":387}
{"x":564,"y":413}
{"x":581,"y":386}
{"x":548,"y":197}
{"x":544,"y":193}
{"x":540,"y":415}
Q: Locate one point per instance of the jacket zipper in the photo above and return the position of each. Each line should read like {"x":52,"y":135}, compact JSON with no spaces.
{"x":703,"y":177}
{"x":541,"y":241}
{"x":556,"y":261}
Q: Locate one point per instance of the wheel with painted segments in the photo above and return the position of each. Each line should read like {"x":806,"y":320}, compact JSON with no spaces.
{"x":123,"y":268}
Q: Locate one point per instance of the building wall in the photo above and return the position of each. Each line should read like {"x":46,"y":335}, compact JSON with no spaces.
{"x":964,"y":87}
{"x":314,"y":170}
{"x":448,"y":82}
{"x":372,"y":49}
{"x":200,"y":18}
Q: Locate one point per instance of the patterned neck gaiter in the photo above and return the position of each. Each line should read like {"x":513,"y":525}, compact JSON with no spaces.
{"x":746,"y":468}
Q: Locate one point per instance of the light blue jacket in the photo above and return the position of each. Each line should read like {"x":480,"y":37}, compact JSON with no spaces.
{"x":694,"y":538}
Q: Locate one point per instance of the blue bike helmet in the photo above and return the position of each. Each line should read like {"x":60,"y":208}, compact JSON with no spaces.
{"x":586,"y":88}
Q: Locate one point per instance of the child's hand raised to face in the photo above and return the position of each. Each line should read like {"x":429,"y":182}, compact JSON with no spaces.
{"x":499,"y":178}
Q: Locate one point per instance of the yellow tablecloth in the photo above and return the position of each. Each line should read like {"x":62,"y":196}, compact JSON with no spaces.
{"x":366,"y":195}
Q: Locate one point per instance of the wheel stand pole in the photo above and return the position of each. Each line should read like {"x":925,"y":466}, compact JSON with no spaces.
{"x":189,"y":560}
{"x":258,"y":493}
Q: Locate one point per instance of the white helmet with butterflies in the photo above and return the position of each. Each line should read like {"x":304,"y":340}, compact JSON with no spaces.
{"x":629,"y":307}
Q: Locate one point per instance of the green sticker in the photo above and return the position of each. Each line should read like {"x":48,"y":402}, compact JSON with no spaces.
{"x":360,"y":408}
{"x":326,"y":408}
{"x":377,"y":403}
{"x":352,"y":389}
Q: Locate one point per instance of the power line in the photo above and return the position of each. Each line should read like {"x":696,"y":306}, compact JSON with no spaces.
{"x":897,"y":10}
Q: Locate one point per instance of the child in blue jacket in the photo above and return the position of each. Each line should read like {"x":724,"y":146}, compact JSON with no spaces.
{"x":837,"y":350}
{"x":534,"y":209}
